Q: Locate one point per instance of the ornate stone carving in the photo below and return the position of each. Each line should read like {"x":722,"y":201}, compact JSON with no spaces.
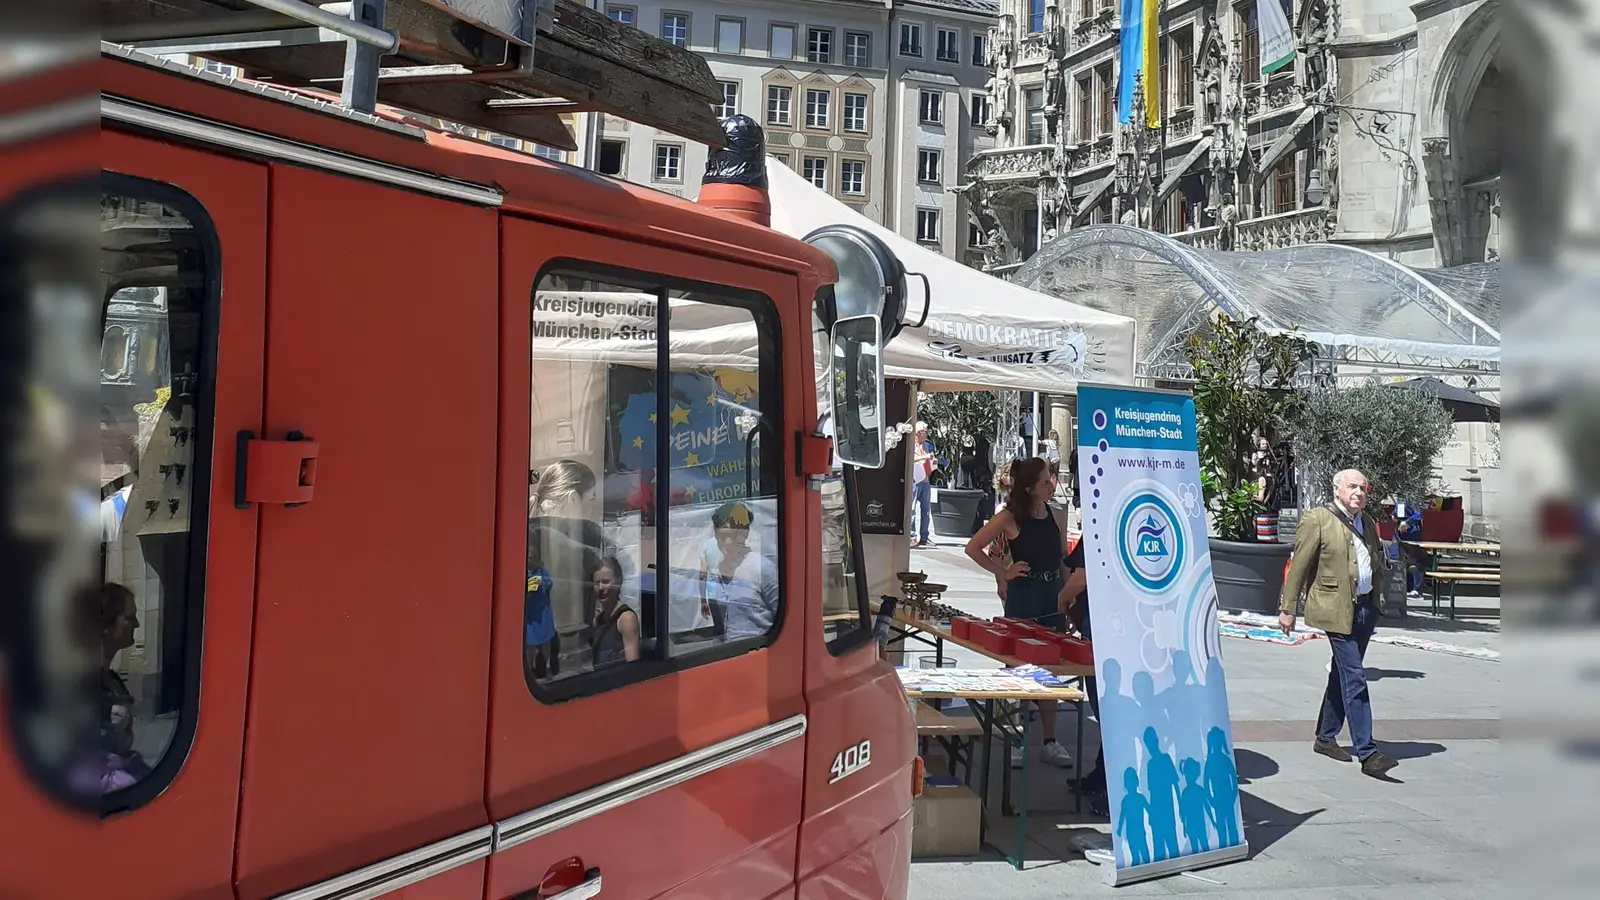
{"x":1213,"y":67}
{"x":1002,"y":163}
{"x":1280,"y":94}
{"x":1306,"y":226}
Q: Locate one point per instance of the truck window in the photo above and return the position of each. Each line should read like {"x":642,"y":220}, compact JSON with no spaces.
{"x":653,"y":501}
{"x":123,"y":429}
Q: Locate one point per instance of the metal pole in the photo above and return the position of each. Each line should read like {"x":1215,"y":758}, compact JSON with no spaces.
{"x":350,"y":27}
{"x":1161,"y":166}
{"x":360,"y":91}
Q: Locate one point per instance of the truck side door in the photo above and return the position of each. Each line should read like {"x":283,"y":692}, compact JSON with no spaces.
{"x":182,"y":247}
{"x":646,"y":717}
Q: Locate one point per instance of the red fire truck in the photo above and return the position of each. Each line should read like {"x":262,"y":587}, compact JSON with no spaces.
{"x":467,"y":527}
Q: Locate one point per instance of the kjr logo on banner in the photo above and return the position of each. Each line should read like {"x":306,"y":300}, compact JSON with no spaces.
{"x":1163,"y":699}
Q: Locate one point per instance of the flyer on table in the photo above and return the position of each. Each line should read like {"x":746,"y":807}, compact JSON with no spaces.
{"x":1173,"y":786}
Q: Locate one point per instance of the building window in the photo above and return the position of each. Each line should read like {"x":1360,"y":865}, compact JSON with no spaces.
{"x":730,"y":100}
{"x":780,"y":105}
{"x":928,"y":166}
{"x":928,"y":226}
{"x":911,"y":39}
{"x":980,"y":109}
{"x":1283,"y":186}
{"x":580,"y":573}
{"x":1183,"y":49}
{"x":1035,"y":16}
{"x":549,"y":153}
{"x":980,"y":49}
{"x":1034,"y":99}
{"x":819,"y":45}
{"x":675,"y":28}
{"x":612,"y":156}
{"x":730,"y":35}
{"x":781,"y":157}
{"x":948,"y":48}
{"x":669,"y":162}
{"x":1086,"y":9}
{"x":815,"y":170}
{"x":817,"y":108}
{"x":857,"y":49}
{"x":930,"y":107}
{"x":855,"y":113}
{"x":500,"y":140}
{"x":1108,"y":98}
{"x":853,"y":177}
{"x":1085,"y":121}
{"x":1176,"y":213}
{"x":974,"y":234}
{"x":780,"y":42}
{"x":1249,"y":43}
{"x":622,"y":15}
{"x":1030,"y":232}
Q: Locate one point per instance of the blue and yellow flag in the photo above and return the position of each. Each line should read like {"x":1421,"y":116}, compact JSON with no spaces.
{"x":1140,"y":52}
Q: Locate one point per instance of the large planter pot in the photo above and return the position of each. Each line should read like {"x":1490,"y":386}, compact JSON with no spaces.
{"x":1249,"y":575}
{"x":956,"y":512}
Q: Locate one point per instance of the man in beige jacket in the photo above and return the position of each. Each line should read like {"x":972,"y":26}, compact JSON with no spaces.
{"x":1338,"y":567}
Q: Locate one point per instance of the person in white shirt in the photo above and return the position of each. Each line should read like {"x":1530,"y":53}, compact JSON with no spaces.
{"x":923,"y":464}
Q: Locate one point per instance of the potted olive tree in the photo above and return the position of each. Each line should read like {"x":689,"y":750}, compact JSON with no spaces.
{"x":1246,"y":388}
{"x":1393,"y":435}
{"x":960,"y":424}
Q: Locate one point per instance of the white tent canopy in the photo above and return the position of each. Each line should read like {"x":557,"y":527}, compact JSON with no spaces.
{"x":982,"y":331}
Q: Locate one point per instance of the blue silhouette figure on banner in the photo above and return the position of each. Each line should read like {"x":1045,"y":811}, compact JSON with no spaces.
{"x":1222,"y":783}
{"x":1185,"y":701}
{"x":1194,"y":806}
{"x":1161,"y":777}
{"x":1131,"y":819}
{"x":1144,"y":696}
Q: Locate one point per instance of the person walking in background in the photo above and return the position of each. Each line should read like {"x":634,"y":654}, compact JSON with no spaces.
{"x":923,"y":464}
{"x":1030,"y":567}
{"x":1338,"y":565}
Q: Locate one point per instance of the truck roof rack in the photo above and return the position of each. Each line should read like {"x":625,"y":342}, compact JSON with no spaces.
{"x":507,"y":66}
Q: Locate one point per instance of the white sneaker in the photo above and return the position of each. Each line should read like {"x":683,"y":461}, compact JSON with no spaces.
{"x":1056,"y":755}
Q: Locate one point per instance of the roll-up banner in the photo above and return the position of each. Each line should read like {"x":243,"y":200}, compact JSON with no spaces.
{"x":1173,"y":786}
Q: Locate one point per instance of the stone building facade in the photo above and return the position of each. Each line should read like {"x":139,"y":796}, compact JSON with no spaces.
{"x":872,"y":101}
{"x":1384,"y":132}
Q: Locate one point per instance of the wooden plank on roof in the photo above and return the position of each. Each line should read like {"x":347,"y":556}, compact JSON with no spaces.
{"x":568,"y":72}
{"x":467,"y":103}
{"x":593,"y":32}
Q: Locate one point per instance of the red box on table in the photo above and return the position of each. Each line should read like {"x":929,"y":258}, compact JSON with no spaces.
{"x":1038,"y":652}
{"x":996,"y":638}
{"x":1076,"y":651}
{"x":961,"y":627}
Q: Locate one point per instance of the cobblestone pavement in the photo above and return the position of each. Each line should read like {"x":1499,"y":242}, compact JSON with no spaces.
{"x":1316,"y":828}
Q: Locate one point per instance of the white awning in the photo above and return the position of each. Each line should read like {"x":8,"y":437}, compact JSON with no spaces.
{"x":982,"y":332}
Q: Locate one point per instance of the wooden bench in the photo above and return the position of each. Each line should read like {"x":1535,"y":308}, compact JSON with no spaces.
{"x":1455,"y":575}
{"x":958,"y":735}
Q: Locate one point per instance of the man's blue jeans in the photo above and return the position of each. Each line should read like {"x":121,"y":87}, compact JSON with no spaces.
{"x":1346,"y":698}
{"x":922,"y":509}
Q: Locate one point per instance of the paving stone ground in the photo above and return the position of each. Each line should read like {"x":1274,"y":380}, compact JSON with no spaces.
{"x":1317,"y":829}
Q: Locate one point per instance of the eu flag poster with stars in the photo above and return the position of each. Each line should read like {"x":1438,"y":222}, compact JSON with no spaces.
{"x":709,"y":416}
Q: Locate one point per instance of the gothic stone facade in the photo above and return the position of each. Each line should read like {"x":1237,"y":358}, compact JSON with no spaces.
{"x":1384,"y":132}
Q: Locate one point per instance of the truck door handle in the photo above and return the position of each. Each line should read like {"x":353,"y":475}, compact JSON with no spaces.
{"x":566,"y":880}
{"x":281,"y":472}
{"x":589,"y":888}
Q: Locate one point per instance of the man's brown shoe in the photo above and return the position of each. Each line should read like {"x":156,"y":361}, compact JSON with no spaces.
{"x":1377,"y":765}
{"x":1332,"y":750}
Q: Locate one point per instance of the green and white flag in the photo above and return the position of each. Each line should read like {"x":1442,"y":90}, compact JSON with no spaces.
{"x":1277,"y":38}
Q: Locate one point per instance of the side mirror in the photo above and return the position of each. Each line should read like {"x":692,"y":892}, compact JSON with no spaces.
{"x":857,"y":387}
